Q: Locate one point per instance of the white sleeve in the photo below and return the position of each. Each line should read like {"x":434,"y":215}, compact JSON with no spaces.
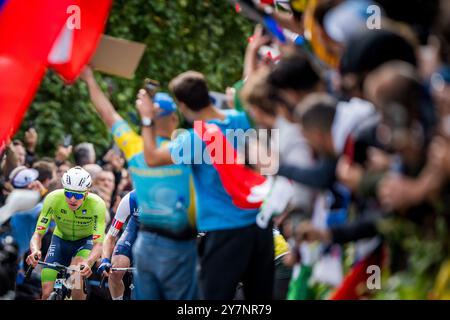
{"x":122,"y":214}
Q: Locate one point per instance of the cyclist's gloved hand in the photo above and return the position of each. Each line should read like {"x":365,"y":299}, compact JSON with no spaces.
{"x":105,"y":265}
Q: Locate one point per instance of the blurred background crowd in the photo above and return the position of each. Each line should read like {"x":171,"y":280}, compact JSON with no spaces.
{"x":360,"y":94}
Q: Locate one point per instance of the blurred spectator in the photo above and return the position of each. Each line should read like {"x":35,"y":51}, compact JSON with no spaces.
{"x":103,"y":185}
{"x":31,"y":140}
{"x":93,"y":169}
{"x":84,"y":153}
{"x":19,"y":150}
{"x":47,"y":174}
{"x":63,"y":167}
{"x":24,"y":223}
{"x":62,"y":154}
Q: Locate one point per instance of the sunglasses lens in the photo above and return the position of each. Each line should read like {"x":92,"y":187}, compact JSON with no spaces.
{"x":78,"y":196}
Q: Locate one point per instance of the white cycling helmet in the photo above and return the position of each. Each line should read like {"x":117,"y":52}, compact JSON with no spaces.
{"x":76,"y":179}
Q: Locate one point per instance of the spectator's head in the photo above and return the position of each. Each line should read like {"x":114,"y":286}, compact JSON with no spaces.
{"x":93,"y":169}
{"x":167,"y":117}
{"x":21,"y":177}
{"x":191,"y":92}
{"x":257,"y":97}
{"x":293,"y":78}
{"x":20,"y":152}
{"x":84,"y":153}
{"x":47,"y":172}
{"x":366,"y":52}
{"x":396,"y":90}
{"x":63,"y":167}
{"x":103,"y":186}
{"x":106,"y":179}
{"x":125,"y":183}
{"x":419,"y":15}
{"x":316,"y":115}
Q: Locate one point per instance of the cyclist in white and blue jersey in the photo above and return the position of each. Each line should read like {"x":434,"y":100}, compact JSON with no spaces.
{"x":119,"y":255}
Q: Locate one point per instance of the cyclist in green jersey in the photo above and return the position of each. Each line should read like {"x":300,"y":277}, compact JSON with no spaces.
{"x":78,"y":236}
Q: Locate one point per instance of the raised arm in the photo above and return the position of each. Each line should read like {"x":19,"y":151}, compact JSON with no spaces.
{"x":251,"y":52}
{"x":101,"y":103}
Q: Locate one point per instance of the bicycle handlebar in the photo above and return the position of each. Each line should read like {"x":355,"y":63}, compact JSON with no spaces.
{"x":102,"y":282}
{"x":123,"y":269}
{"x":30,"y":269}
{"x":51,"y":265}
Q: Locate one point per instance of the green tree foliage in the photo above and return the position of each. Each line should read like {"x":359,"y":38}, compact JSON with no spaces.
{"x":203,"y":35}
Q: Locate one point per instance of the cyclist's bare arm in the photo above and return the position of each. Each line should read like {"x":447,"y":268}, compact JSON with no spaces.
{"x":95,"y":254}
{"x":108,"y":246}
{"x":101,"y":103}
{"x":41,"y":228}
{"x":86,"y":265}
{"x":123,"y":212}
{"x":35,"y":248}
{"x":98,"y":234}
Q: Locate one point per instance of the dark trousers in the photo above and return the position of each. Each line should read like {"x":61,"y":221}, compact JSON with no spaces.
{"x":228,"y":257}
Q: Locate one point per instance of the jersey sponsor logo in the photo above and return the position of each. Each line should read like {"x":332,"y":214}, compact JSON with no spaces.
{"x":40,"y":228}
{"x":82,"y":223}
{"x":95,"y":236}
{"x":51,"y":250}
{"x":44,"y":220}
{"x":49,"y":211}
{"x":136,"y":211}
{"x":63,"y":211}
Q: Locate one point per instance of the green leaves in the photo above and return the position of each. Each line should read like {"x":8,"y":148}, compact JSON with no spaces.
{"x":416,"y":252}
{"x":207,"y":36}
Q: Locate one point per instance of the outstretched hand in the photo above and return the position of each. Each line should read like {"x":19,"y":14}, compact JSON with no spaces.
{"x":258,"y":39}
{"x":144,"y":105}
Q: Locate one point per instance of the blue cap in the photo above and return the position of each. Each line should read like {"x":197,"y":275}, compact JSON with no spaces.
{"x":165,"y":103}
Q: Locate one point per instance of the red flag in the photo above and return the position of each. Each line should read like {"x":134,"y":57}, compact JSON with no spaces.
{"x":28,"y":29}
{"x":354,"y":285}
{"x":28,"y":32}
{"x":240,"y":182}
{"x":79,"y":37}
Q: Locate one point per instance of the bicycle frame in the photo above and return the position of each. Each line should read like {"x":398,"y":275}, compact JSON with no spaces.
{"x":62,"y":287}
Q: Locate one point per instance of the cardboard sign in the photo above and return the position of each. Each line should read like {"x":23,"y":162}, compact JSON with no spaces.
{"x":117,"y":57}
